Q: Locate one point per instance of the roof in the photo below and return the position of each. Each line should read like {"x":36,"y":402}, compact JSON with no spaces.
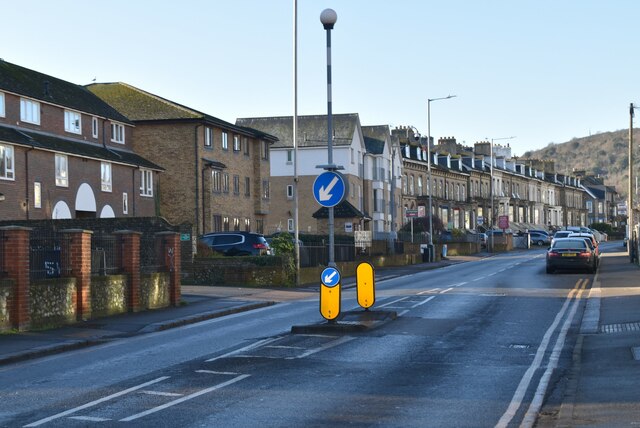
{"x":49,"y":89}
{"x":311,"y":130}
{"x":343,"y":210}
{"x":375,"y":137}
{"x":73,"y":147}
{"x":142,"y":106}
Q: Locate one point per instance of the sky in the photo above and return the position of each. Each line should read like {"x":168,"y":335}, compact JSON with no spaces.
{"x":542,"y":71}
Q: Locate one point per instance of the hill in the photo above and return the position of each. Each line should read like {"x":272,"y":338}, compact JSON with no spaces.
{"x":604,"y":154}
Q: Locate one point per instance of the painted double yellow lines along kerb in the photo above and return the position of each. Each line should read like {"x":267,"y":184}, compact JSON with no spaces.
{"x":536,"y":403}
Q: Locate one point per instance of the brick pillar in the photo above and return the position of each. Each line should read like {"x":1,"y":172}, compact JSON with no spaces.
{"x":170,"y":245}
{"x":16,"y":263}
{"x":79,"y":252}
{"x":130,"y":263}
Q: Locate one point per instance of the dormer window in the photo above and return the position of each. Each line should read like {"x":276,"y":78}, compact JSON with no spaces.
{"x":72,"y":122}
{"x":117,"y":133}
{"x":29,"y":111}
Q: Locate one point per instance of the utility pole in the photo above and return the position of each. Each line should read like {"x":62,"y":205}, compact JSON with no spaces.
{"x":630,"y":225}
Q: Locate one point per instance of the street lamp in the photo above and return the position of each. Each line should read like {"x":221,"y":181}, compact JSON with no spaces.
{"x":431,"y":250}
{"x":491,"y":188}
{"x":631,"y":243}
{"x":328,"y":17}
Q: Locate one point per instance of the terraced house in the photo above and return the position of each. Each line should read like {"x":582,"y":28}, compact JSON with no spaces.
{"x":65,"y":153}
{"x":471,"y":188}
{"x":217,"y":173}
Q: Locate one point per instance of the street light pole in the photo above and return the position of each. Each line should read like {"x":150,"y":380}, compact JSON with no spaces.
{"x":296,"y":227}
{"x":328,"y":17}
{"x":431,"y":249}
{"x":630,"y":242}
{"x":491,"y":190}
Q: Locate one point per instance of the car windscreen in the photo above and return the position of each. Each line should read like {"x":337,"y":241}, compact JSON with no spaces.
{"x":569,"y":244}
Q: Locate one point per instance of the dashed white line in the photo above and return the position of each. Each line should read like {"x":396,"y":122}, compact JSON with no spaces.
{"x":323,"y":347}
{"x":161,"y":393}
{"x":246,"y":348}
{"x":395,"y":301}
{"x":423,"y":302}
{"x":89,"y":418}
{"x":185,"y":398}
{"x":217,"y":373}
{"x":446,"y":291}
{"x":93,"y":403}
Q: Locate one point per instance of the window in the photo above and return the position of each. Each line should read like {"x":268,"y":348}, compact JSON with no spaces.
{"x":247,"y":186}
{"x":353,"y":156}
{"x":216,"y":181}
{"x":259,"y":226}
{"x":236,"y":224}
{"x":125,"y":203}
{"x":245,"y":141}
{"x":146,"y":182}
{"x":29,"y":111}
{"x":62,"y":171}
{"x":208,"y":137}
{"x":225,"y":182}
{"x":37,"y":195}
{"x":216,"y":223}
{"x":117,"y":133}
{"x":72,"y":122}
{"x":236,"y":184}
{"x":6,"y":163}
{"x":94,"y":127}
{"x":225,"y":224}
{"x":247,"y":225}
{"x":411,"y":185}
{"x":290,"y":225}
{"x":264,"y":150}
{"x":1,"y":104}
{"x":419,"y":185}
{"x":105,"y":176}
{"x":236,"y":143}
{"x":225,"y":141}
{"x":289,"y":156}
{"x":289,"y":191}
{"x":590,"y":207}
{"x":265,"y":189}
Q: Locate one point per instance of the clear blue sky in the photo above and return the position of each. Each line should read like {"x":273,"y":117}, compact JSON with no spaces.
{"x":541,"y":70}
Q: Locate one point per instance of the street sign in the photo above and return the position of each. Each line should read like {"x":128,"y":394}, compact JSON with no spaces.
{"x":411,"y":213}
{"x":366,"y":285}
{"x":503,"y":222}
{"x":330,"y":277}
{"x":480,"y":220}
{"x":329,"y":188}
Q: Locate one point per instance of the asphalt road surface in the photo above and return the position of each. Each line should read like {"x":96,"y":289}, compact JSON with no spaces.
{"x":475,"y":344}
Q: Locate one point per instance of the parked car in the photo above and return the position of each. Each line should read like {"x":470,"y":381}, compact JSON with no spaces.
{"x":237,"y":243}
{"x":590,"y":238}
{"x":561,"y":234}
{"x":571,"y":253}
{"x":540,"y":231}
{"x":539,"y":238}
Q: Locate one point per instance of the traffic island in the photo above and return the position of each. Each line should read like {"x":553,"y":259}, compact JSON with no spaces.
{"x":348,"y":322}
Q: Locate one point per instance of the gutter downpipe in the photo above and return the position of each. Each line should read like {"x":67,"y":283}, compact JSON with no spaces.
{"x":26,"y":165}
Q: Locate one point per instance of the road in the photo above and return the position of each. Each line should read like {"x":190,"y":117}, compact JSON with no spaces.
{"x":475,"y":344}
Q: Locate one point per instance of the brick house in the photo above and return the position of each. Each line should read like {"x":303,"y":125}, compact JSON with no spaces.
{"x":217,"y":173}
{"x":65,"y":153}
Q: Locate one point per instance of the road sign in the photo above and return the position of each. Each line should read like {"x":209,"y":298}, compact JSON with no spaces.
{"x":330,"y":302}
{"x":480,"y":220}
{"x":330,"y":277}
{"x":503,"y":222}
{"x":411,"y":213}
{"x":329,"y":188}
{"x":366,"y":285}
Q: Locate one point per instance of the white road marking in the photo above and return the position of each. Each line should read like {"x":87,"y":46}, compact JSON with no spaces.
{"x":423,"y":302}
{"x":185,"y":398}
{"x":429,"y":291}
{"x":323,"y":347}
{"x":446,"y":291}
{"x":530,"y":417}
{"x":161,"y":393}
{"x":93,"y":403}
{"x":246,"y":348}
{"x":284,"y":347}
{"x":395,"y":301}
{"x":518,"y":396}
{"x":478,"y":279}
{"x":89,"y":418}
{"x":218,"y":373}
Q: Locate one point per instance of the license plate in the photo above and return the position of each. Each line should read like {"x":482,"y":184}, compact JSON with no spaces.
{"x":568,"y":254}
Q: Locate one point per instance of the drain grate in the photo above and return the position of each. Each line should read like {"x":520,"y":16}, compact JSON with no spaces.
{"x":620,"y":328}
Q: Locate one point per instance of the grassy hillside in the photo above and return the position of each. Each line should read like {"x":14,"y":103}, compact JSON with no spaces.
{"x":604,"y":154}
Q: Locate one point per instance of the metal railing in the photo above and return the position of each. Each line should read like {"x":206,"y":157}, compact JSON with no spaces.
{"x":151,"y":257}
{"x":106,"y":254}
{"x":46,"y":256}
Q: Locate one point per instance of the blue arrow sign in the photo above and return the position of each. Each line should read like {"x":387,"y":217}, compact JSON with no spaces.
{"x":330,"y":277}
{"x":329,"y":188}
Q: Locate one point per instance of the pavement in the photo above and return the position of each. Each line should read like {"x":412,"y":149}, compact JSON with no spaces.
{"x":602,"y":389}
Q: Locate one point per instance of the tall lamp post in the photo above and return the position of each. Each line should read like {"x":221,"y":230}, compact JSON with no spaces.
{"x":328,"y":17}
{"x":631,"y":244}
{"x":491,"y":190}
{"x":431,"y":250}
